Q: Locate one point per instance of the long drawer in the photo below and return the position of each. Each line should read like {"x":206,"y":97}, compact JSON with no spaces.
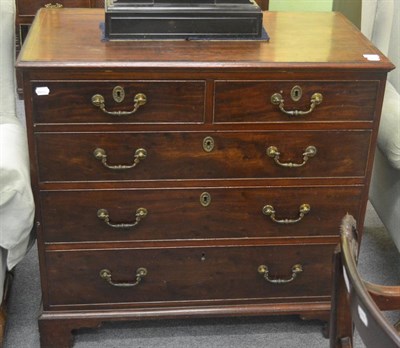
{"x":278,"y":101}
{"x":118,"y":102}
{"x":193,"y":213}
{"x":191,"y":155}
{"x":187,"y":274}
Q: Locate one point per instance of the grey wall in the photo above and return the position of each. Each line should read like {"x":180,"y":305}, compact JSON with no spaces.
{"x":350,"y":8}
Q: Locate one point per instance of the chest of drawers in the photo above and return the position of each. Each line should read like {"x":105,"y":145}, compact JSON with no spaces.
{"x":195,"y":178}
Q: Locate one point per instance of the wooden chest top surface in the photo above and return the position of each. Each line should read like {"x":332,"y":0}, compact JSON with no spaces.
{"x":73,"y":38}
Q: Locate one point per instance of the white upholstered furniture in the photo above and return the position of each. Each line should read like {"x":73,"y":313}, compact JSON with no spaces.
{"x":16,"y":201}
{"x":381,"y":24}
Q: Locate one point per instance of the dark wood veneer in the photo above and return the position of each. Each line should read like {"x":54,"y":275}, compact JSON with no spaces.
{"x":167,"y":102}
{"x":250,"y":101}
{"x":232,"y":213}
{"x":210,"y":273}
{"x":181,"y":155}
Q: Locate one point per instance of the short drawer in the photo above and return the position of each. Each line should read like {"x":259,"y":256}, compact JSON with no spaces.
{"x":186,"y":274}
{"x":118,"y":102}
{"x":251,"y":101}
{"x":29,"y":7}
{"x":186,"y":155}
{"x":189,"y":213}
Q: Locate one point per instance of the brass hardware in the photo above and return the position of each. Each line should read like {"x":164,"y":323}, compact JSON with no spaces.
{"x":118,"y":94}
{"x":296,"y":93}
{"x":263,"y":270}
{"x":205,"y":199}
{"x":277,"y":99}
{"x":102,"y":214}
{"x":105,"y":274}
{"x":56,"y":5}
{"x":139,"y":99}
{"x":309,"y":152}
{"x":208,"y":144}
{"x":101,"y":155}
{"x":269,"y":210}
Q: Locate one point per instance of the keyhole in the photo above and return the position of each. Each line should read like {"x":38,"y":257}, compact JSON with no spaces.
{"x":208,"y":144}
{"x":296,"y":93}
{"x":203,"y":257}
{"x":205,"y":199}
{"x":118,"y":94}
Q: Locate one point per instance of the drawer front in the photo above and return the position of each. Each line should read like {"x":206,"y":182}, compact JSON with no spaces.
{"x":29,"y":7}
{"x":250,"y":101}
{"x":209,"y":213}
{"x":81,"y":156}
{"x":143,"y":101}
{"x":187,"y":274}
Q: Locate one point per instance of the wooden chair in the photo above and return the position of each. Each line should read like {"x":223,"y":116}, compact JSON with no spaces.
{"x":357,"y":302}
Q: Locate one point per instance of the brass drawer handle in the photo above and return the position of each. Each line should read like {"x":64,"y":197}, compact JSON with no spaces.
{"x":274,"y":153}
{"x":107,"y":276}
{"x":264,"y":271}
{"x":102,"y":214}
{"x":56,"y":5}
{"x":277,"y":99}
{"x":101,"y":155}
{"x":269,"y":210}
{"x":139,"y":99}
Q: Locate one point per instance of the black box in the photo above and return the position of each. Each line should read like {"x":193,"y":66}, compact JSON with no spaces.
{"x":185,"y":19}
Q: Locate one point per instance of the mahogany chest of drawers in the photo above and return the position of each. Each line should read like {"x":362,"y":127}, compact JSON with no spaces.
{"x":195,"y":178}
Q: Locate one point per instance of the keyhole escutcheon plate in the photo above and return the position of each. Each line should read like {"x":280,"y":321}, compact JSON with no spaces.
{"x":208,"y":144}
{"x":205,"y":199}
{"x":118,"y":94}
{"x":296,"y":93}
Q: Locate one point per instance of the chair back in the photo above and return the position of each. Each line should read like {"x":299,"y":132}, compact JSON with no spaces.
{"x":374,"y":329}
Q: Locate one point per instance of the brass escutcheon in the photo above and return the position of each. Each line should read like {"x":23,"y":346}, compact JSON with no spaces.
{"x":118,"y":94}
{"x":208,"y":144}
{"x":296,"y":93}
{"x":205,"y":199}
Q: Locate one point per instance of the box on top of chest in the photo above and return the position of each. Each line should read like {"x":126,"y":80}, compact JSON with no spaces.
{"x":182,"y":19}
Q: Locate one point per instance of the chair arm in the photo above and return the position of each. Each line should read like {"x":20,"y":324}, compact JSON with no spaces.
{"x":385,"y":297}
